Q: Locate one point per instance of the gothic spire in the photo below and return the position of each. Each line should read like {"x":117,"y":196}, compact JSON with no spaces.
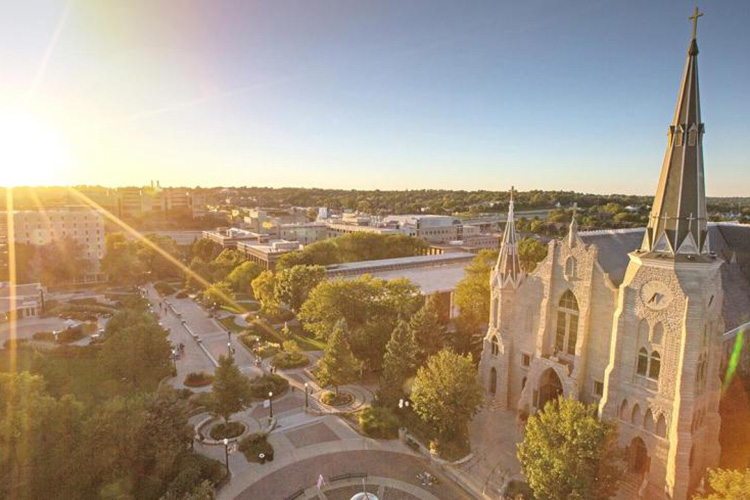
{"x":573,"y":229}
{"x":678,"y":218}
{"x":508,"y":269}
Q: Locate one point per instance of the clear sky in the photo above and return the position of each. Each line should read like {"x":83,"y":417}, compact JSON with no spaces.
{"x":548,"y":94}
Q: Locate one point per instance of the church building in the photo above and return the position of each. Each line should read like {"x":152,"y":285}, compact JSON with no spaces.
{"x":635,"y":321}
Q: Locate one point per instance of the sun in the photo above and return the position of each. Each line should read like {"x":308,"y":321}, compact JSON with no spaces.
{"x":31,"y":153}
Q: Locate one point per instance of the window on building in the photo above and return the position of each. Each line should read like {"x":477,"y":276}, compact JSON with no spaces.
{"x":654,"y":366}
{"x":566,"y":333}
{"x":525,"y":360}
{"x":677,"y":137}
{"x":693,"y":136}
{"x":598,"y":388}
{"x":642,"y":367}
{"x":570,"y":268}
{"x":494,"y":347}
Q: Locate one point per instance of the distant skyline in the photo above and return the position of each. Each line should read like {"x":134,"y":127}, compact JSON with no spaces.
{"x":426,"y":94}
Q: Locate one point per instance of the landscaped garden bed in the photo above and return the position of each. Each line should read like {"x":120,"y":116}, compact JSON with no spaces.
{"x":198,"y":379}
{"x":261,"y":386}
{"x":226,"y":430}
{"x":332,"y":399}
{"x":256,"y":448}
{"x":286,"y":360}
{"x":378,"y":422}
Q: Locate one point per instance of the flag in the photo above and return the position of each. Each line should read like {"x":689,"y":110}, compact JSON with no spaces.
{"x":321,"y":481}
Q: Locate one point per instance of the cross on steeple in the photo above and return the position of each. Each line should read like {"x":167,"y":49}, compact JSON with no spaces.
{"x":694,"y":17}
{"x":690,"y":222}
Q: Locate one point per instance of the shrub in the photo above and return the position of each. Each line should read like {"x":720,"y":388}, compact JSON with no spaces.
{"x":194,"y":469}
{"x":198,"y":379}
{"x":249,"y":339}
{"x":44,"y":336}
{"x":330,"y":398}
{"x":229,"y":430}
{"x":200,"y":399}
{"x":255,"y":444}
{"x":289,"y":360}
{"x":379,"y":422}
{"x":267,"y":349}
{"x":261,"y":386}
{"x":71,"y":334}
{"x":182,"y":294}
{"x":164,"y":288}
{"x":184,"y":393}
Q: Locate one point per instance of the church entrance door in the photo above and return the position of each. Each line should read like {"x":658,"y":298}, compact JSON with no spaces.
{"x":550,"y":388}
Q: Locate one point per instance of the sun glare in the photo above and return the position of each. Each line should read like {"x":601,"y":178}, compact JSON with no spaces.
{"x":31,"y":154}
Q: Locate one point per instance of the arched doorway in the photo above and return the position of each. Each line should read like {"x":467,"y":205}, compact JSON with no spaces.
{"x":493,"y":381}
{"x":550,"y":387}
{"x":638,"y":459}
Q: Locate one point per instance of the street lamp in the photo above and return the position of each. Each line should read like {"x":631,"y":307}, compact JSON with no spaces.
{"x":270,"y":403}
{"x":403,"y":403}
{"x":226,"y":454}
{"x":307,"y":392}
{"x":229,"y":348}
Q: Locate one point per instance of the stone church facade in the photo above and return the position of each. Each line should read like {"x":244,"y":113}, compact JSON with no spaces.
{"x":637,"y":321}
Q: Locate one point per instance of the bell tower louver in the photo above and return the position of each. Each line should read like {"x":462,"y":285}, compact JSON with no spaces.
{"x":678,"y":218}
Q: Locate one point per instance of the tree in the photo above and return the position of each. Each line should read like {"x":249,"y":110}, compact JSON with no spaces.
{"x":530,"y":253}
{"x":338,"y":366}
{"x":264,"y":290}
{"x":205,"y":249}
{"x":226,"y":261}
{"x":568,"y":452}
{"x":204,"y":491}
{"x":219,"y":293}
{"x":231,"y":389}
{"x":154,"y":262}
{"x":446,"y":394}
{"x":138,"y":352}
{"x":427,"y":331}
{"x":370,"y":308}
{"x":399,"y":363}
{"x":727,"y":484}
{"x":294,"y":285}
{"x":38,"y":437}
{"x":241,"y":277}
{"x":472,"y":293}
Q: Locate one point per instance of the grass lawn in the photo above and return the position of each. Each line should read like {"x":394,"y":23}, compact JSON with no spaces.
{"x":308,"y":343}
{"x":232,"y":309}
{"x":230,"y":325}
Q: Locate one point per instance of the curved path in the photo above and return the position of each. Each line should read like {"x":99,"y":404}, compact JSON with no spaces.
{"x":388,"y":469}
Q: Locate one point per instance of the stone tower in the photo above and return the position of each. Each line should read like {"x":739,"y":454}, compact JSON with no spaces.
{"x":505,"y":278}
{"x":662,"y":380}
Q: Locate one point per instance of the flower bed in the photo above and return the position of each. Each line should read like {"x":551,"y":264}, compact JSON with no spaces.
{"x":226,"y":431}
{"x":331,"y":399}
{"x":290,"y":360}
{"x":198,"y":379}
{"x":261,"y":386}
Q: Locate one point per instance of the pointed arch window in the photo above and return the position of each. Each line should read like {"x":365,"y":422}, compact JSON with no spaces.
{"x":642,"y":367}
{"x":654,"y":366}
{"x":677,"y":141}
{"x":570,"y":268}
{"x":566,"y":332}
{"x":494,"y":348}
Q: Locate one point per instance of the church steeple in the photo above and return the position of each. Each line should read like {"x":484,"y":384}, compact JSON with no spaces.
{"x":508,"y":269}
{"x":678,"y":218}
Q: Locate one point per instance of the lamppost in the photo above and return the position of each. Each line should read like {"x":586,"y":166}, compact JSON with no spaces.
{"x":307,"y":393}
{"x":229,"y":348}
{"x":174,"y":359}
{"x":270,"y":404}
{"x":403,"y":403}
{"x":226,"y":454}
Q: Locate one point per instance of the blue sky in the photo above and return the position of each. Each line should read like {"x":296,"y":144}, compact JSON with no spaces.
{"x":539,"y":94}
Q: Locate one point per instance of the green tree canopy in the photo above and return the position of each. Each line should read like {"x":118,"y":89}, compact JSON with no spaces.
{"x":219,"y":293}
{"x":231,"y":389}
{"x":293,"y":285}
{"x":427,"y":331}
{"x":472,"y":294}
{"x":530,"y":253}
{"x":370,"y":308}
{"x":137,"y":352}
{"x":243,"y":275}
{"x":399,"y":363}
{"x":338,"y":366}
{"x":446,"y":393}
{"x":727,"y":484}
{"x":264,"y":290}
{"x":568,"y":452}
